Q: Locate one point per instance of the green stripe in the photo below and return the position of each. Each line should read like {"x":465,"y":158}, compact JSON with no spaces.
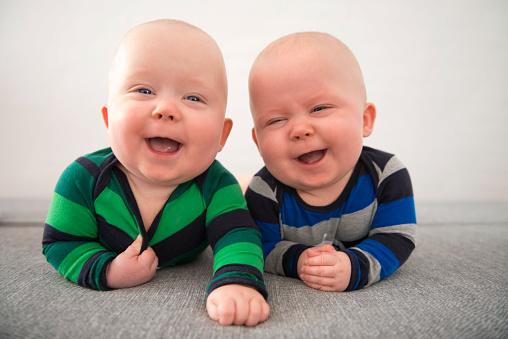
{"x":239,"y":253}
{"x":239,"y":235}
{"x":179,"y":213}
{"x":72,"y":264}
{"x":70,"y":217}
{"x":226,"y":199}
{"x":99,"y":156}
{"x":76,"y":184}
{"x":57,"y":251}
{"x":217,"y":178}
{"x":112,"y":207}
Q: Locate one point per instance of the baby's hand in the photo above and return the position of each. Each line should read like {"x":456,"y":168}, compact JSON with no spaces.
{"x":323,"y":268}
{"x":130,"y":268}
{"x":238,"y":305}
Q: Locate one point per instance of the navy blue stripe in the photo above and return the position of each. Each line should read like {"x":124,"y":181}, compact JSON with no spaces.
{"x":355,"y":271}
{"x":90,"y":166}
{"x":399,"y":187}
{"x":52,"y":235}
{"x":239,"y":267}
{"x":400,"y":246}
{"x":114,"y":238}
{"x":270,"y":207}
{"x":226,"y":222}
{"x":200,"y":179}
{"x":363,"y":267}
{"x":290,"y":260}
{"x":371,"y":155}
{"x":187,"y":239}
{"x":240,"y":281}
{"x":131,"y":200}
{"x":84,"y":278}
{"x":104,"y":176}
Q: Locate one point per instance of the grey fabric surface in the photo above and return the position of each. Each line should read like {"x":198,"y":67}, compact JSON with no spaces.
{"x":455,"y":285}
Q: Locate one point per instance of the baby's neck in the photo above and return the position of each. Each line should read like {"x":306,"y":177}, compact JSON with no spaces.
{"x":314,"y":198}
{"x":324,"y":196}
{"x":150,"y":197}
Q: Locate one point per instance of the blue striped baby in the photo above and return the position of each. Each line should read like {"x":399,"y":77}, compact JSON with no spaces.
{"x":333,"y":213}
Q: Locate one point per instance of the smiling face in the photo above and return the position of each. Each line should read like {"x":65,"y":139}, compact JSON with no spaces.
{"x":310,"y":115}
{"x":166,"y":104}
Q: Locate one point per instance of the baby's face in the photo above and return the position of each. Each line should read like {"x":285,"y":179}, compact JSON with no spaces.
{"x":308,"y":118}
{"x":167,"y":100}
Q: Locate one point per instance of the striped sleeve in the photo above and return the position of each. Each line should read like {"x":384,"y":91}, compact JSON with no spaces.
{"x":392,"y":236}
{"x":281,"y":256}
{"x":70,"y":239}
{"x":234,"y":237}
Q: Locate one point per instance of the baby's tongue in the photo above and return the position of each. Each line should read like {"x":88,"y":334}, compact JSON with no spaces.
{"x":164,"y":145}
{"x":311,"y":157}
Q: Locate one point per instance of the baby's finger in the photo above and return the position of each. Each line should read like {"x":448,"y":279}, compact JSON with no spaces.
{"x":324,"y":259}
{"x":226,"y":311}
{"x":213,"y":313}
{"x":242,"y":309}
{"x":319,"y":271}
{"x":319,"y":287}
{"x":325,"y":248}
{"x":265,"y":311}
{"x":134,"y":248}
{"x":155,"y":263}
{"x":254,"y":314}
{"x":317,"y":280}
{"x":311,"y":252}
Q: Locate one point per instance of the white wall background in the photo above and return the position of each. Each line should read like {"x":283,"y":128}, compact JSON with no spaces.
{"x":436,"y":69}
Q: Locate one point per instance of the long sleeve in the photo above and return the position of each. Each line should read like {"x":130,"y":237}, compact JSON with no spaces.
{"x":264,"y":196}
{"x":232,"y":234}
{"x":70,"y":240}
{"x":392,"y":236}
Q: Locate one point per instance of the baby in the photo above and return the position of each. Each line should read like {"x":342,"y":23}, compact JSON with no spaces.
{"x":336,"y":214}
{"x":158,"y":197}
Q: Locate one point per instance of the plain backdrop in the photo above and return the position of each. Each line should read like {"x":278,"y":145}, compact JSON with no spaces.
{"x":437,"y":71}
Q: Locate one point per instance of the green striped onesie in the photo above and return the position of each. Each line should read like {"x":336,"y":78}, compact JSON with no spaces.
{"x":94,"y":216}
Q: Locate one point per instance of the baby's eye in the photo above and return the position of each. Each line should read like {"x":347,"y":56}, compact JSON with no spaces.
{"x":317,"y":109}
{"x":144,"y":91}
{"x":193,"y":98}
{"x":273,"y":121}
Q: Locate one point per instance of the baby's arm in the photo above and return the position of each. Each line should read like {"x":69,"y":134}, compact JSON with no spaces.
{"x":324,"y":268}
{"x":130,"y":268}
{"x":238,"y":305}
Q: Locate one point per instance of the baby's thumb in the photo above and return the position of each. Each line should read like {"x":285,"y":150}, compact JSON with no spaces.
{"x":311,"y":252}
{"x":135,"y":248}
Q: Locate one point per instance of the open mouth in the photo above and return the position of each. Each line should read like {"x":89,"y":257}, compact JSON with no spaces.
{"x":312,"y":157}
{"x":163,"y":145}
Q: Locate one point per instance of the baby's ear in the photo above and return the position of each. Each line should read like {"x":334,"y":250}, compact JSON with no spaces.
{"x":104,"y":111}
{"x":369,"y":116}
{"x":226,"y":129}
{"x":254,"y":137}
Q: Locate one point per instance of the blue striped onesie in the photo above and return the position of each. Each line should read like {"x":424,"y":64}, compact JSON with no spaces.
{"x":373,"y":220}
